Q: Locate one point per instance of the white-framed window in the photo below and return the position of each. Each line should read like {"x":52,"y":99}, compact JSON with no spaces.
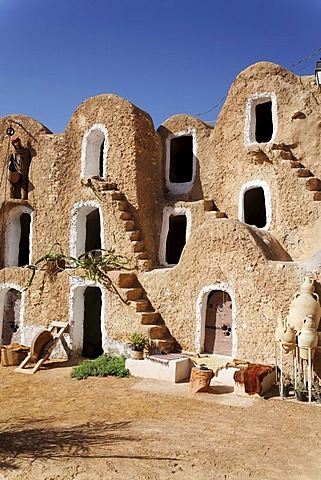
{"x":86,"y":228}
{"x":94,"y":152}
{"x":255,"y":204}
{"x":180,"y":166}
{"x":261,"y":119}
{"x":176,"y":229}
{"x":18,"y":237}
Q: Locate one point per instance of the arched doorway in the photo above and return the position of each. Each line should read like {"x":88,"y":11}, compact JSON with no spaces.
{"x":11,"y":317}
{"x":92,"y":337}
{"x":218,"y":323}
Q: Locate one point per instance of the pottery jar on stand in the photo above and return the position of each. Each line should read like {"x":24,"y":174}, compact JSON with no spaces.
{"x":305,"y":302}
{"x":307,"y":338}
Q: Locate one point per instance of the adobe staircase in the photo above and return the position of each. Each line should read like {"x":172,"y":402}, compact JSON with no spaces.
{"x":313,"y":184}
{"x":134,"y":294}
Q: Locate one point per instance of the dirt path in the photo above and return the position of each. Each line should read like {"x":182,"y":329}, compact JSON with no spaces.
{"x":57,"y":428}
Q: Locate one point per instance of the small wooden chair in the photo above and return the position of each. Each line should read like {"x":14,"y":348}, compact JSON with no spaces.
{"x":42,"y":346}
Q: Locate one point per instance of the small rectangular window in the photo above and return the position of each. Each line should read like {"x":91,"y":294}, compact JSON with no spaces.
{"x":264,"y":122}
{"x":176,"y":238}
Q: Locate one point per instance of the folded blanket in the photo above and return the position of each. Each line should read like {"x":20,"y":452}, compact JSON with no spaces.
{"x":252,"y":376}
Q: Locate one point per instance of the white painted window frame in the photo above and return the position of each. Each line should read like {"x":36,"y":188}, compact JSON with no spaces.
{"x":250,"y":116}
{"x":201,"y":306}
{"x":78,"y":287}
{"x":167,"y":212}
{"x":78,"y":226}
{"x":180,"y":188}
{"x":13,"y":235}
{"x":268,"y":200}
{"x":90,"y":150}
{"x":4,"y":288}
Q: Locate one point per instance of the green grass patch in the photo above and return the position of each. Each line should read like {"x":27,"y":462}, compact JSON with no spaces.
{"x":102,"y":366}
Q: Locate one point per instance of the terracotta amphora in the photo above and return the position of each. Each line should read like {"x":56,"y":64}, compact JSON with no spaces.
{"x":304,"y":303}
{"x":288,"y":336}
{"x":307,"y":338}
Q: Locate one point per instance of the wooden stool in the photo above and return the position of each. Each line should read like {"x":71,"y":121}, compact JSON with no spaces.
{"x":200,"y":379}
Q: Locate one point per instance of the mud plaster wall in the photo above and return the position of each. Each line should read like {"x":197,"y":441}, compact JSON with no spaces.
{"x":256,"y":269}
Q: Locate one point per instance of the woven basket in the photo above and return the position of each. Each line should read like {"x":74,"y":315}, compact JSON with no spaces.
{"x":10,"y":357}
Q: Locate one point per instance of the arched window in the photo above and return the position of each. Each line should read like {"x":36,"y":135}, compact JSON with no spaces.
{"x":180,"y":168}
{"x":94,"y":152}
{"x":86,"y":228}
{"x":260,"y":118}
{"x":255,"y":204}
{"x":174,"y":235}
{"x":18,"y":237}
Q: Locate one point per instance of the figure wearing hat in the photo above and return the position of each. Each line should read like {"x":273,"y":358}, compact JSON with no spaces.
{"x":18,"y":170}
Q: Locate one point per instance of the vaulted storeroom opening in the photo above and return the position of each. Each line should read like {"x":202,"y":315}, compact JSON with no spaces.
{"x":92,"y":336}
{"x":255,"y":207}
{"x":176,"y":238}
{"x":218,"y":323}
{"x":93,"y":239}
{"x":181,"y":159}
{"x":24,"y":243}
{"x":11,"y":316}
{"x":263,"y":122}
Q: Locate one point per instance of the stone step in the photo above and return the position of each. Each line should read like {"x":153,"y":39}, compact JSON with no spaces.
{"x":123,"y":205}
{"x":134,"y":235}
{"x":125,"y":216}
{"x":296,"y":164}
{"x":164,"y":346}
{"x":133,"y":294}
{"x":144,"y":265}
{"x":317,"y":196}
{"x":127,"y":280}
{"x":158,"y":332}
{"x":116,"y":195}
{"x":151,"y":318}
{"x":286,"y":155}
{"x":313,"y":184}
{"x":130,"y":225}
{"x":304,"y":172}
{"x":138,"y":246}
{"x":143,"y":305}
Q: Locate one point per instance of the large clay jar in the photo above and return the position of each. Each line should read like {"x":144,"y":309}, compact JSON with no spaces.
{"x":307,"y":338}
{"x":289,"y":338}
{"x":304,"y":303}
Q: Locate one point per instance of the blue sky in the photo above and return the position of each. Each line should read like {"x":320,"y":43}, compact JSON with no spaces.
{"x":165,"y":56}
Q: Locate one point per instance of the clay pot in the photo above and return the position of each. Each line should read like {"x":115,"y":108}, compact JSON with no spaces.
{"x":304,"y":303}
{"x":308,"y":337}
{"x":288,"y":337}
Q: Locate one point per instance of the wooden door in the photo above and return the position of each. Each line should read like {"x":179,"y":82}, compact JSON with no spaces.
{"x":218,"y":324}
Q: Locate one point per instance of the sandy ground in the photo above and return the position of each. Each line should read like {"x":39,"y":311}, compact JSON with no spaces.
{"x":54,"y":427}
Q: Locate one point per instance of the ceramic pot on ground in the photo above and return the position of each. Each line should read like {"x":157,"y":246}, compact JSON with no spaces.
{"x":302,"y":396}
{"x":307,"y":338}
{"x":288,"y":337}
{"x":304,"y":303}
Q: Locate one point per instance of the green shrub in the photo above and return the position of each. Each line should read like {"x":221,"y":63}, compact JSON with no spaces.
{"x":101,"y":367}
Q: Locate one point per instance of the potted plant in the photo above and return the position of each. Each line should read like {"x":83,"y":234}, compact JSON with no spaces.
{"x":137,"y":342}
{"x":301,"y":392}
